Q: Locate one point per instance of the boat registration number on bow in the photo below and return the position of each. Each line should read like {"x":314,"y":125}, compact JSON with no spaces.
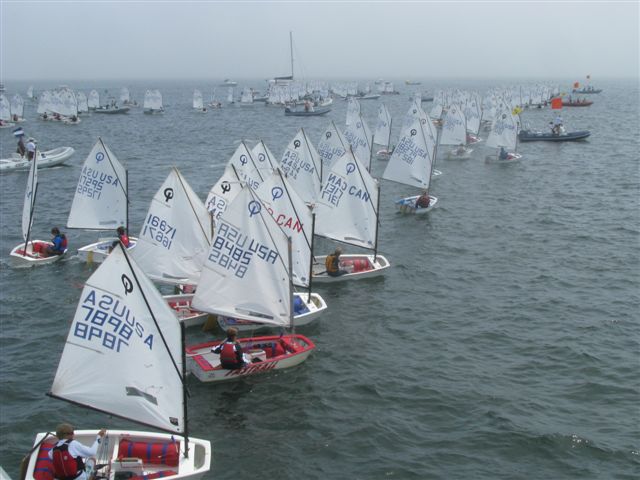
{"x":251,"y":369}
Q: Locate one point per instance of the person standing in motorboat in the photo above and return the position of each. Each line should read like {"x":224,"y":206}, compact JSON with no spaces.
{"x":21,"y":149}
{"x":557,"y":125}
{"x":67,"y":454}
{"x":31,"y":148}
{"x":332,"y":263}
{"x":423,"y":200}
{"x":231,"y":355}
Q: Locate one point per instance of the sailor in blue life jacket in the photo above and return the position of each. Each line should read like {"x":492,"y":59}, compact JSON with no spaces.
{"x":231,"y":356}
{"x":59,"y":243}
{"x":503,"y":154}
{"x":67,"y":454}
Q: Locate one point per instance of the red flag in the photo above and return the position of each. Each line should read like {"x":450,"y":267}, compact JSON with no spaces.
{"x":556,"y":103}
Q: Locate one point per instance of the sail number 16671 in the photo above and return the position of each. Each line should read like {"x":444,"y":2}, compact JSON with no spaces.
{"x":159,"y":230}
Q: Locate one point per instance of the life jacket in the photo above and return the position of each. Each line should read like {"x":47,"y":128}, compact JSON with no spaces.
{"x":228,"y":353}
{"x":65,"y":465}
{"x":330,"y":264}
{"x":124,"y":238}
{"x":65,"y":242}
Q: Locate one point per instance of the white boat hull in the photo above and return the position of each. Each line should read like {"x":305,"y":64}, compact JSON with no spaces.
{"x":457,"y":155}
{"x":358,"y":267}
{"x":98,"y":251}
{"x":131,"y":459}
{"x":181,"y":304}
{"x":49,"y":158}
{"x":512,"y":157}
{"x":292,"y":351}
{"x":20,"y":258}
{"x":408,"y":205}
{"x":312,"y":310}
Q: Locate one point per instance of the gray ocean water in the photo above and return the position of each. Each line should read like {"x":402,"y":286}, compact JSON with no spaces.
{"x":502,"y":344}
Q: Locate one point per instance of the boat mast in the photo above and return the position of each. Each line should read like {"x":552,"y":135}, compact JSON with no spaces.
{"x":375,"y":249}
{"x":184,"y":391}
{"x":290,"y":264}
{"x":33,"y":202}
{"x":291,"y":51}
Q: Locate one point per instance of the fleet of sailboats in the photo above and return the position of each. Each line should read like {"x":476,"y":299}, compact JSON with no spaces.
{"x":246,"y":254}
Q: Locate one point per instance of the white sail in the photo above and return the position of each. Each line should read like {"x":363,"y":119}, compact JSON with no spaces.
{"x":30,"y":198}
{"x":245,"y":166}
{"x":175,"y":235}
{"x":353,"y":111}
{"x":44,"y":102}
{"x":263,"y":157}
{"x":230,"y":95}
{"x":332,"y":145}
{"x":123,"y":353}
{"x":454,"y":128}
{"x":223,"y":192}
{"x":504,"y":131}
{"x":472,"y":114}
{"x":152,"y":100}
{"x":68,"y":104}
{"x":94,"y":99}
{"x":294,"y":217}
{"x":347,"y":207}
{"x":359,"y":137}
{"x":410,"y":162}
{"x":246,"y":96}
{"x":382,"y":133}
{"x":30,"y":92}
{"x":302,"y":166}
{"x":198,"y":102}
{"x":83,"y":103}
{"x":5,"y":108}
{"x":100,"y":201}
{"x":246,"y":271}
{"x":17,"y":106}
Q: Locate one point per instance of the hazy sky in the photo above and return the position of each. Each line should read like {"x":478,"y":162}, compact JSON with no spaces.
{"x":420,"y":39}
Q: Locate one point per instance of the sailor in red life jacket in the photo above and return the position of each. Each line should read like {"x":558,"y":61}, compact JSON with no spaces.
{"x":122,"y":238}
{"x":67,"y":454}
{"x":231,"y":356}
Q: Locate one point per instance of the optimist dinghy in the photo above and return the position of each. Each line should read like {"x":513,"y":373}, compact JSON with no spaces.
{"x":31,"y":252}
{"x":413,"y":160}
{"x":100,"y":201}
{"x":263,"y":354}
{"x":139,"y":377}
{"x":247,"y":274}
{"x":347,"y":211}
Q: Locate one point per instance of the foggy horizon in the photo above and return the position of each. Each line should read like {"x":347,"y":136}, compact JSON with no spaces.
{"x":169,"y":41}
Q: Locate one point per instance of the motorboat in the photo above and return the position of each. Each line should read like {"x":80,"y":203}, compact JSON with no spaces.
{"x":290,"y":112}
{"x":532,"y":136}
{"x":48,"y":158}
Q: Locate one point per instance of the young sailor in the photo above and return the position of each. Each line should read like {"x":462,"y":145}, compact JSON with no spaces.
{"x":67,"y":454}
